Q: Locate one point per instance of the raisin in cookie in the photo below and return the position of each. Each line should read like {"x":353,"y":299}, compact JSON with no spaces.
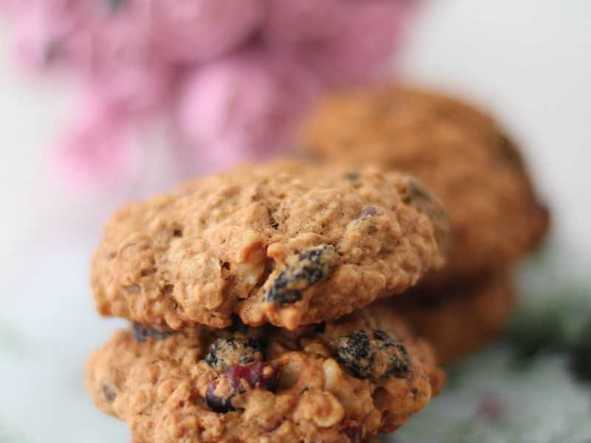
{"x":343,"y":381}
{"x":286,"y":243}
{"x":460,"y":153}
{"x":467,"y":316}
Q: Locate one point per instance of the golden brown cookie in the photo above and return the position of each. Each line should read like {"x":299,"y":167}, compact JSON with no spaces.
{"x":460,"y":153}
{"x":462,"y":319}
{"x":286,"y":243}
{"x":342,"y":382}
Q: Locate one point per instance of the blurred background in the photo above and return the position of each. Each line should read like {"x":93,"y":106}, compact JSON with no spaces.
{"x":528,"y":61}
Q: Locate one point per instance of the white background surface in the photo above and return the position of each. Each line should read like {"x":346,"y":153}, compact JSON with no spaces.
{"x":530,"y":60}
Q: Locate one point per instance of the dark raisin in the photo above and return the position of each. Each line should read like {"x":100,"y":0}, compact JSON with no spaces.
{"x":307,"y":269}
{"x":372,"y":357}
{"x":319,"y":328}
{"x":354,"y":432}
{"x":418,"y":197}
{"x":220,"y":393}
{"x":393,"y":353}
{"x":109,"y":393}
{"x":235,"y":350}
{"x":355,"y":354}
{"x":142,"y":333}
{"x":236,"y":380}
{"x":352,"y":176}
{"x":238,"y":326}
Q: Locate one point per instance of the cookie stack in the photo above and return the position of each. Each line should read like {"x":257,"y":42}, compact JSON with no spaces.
{"x":258,"y":311}
{"x":463,"y":156}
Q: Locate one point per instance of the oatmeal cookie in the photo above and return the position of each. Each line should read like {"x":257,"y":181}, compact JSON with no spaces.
{"x":462,"y":319}
{"x":342,"y":381}
{"x":286,"y":243}
{"x":460,"y":153}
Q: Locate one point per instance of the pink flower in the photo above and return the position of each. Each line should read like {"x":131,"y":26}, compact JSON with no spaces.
{"x":13,"y":7}
{"x":196,"y":62}
{"x":187,"y":31}
{"x":97,"y":149}
{"x":118,"y":62}
{"x":47,"y":31}
{"x":244,"y":107}
{"x":346,"y":42}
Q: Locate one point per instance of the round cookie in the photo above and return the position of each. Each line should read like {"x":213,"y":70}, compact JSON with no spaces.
{"x":460,"y":153}
{"x":340,"y":382}
{"x":461,"y":319}
{"x":286,"y":243}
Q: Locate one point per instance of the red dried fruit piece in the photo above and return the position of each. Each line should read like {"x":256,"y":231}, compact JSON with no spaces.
{"x":236,"y":380}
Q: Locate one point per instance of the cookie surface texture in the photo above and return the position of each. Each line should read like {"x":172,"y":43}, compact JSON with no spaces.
{"x":286,"y":243}
{"x":338,"y":382}
{"x":460,"y":154}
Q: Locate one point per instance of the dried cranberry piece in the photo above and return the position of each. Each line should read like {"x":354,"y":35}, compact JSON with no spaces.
{"x":236,"y":380}
{"x":257,"y":375}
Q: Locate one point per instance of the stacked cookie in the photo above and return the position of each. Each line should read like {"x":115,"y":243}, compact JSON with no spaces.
{"x":463,"y":156}
{"x":257,"y":306}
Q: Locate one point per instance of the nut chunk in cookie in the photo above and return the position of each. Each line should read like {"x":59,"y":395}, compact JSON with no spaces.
{"x":231,"y":386}
{"x":287,"y":243}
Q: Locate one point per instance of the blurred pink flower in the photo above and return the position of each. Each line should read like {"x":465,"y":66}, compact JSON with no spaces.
{"x":346,"y":42}
{"x":236,"y":77}
{"x":244,"y":107}
{"x":14,"y":7}
{"x":187,"y":31}
{"x":47,"y":31}
{"x":97,"y":149}
{"x":120,"y":64}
